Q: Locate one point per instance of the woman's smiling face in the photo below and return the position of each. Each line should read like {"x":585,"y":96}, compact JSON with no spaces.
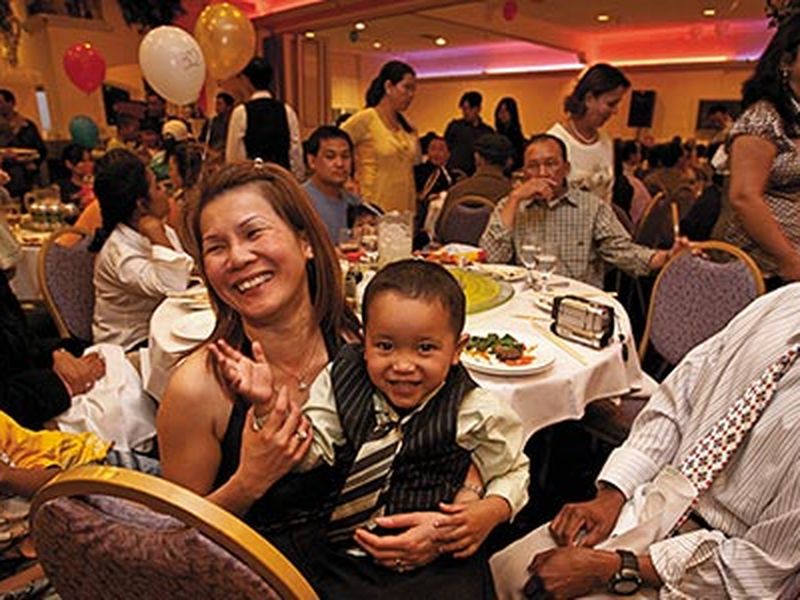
{"x":253,"y":259}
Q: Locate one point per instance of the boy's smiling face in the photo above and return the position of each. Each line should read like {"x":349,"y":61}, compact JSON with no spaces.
{"x":409,"y":347}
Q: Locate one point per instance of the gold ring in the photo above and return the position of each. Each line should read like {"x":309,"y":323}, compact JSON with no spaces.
{"x":301,"y":434}
{"x":258,"y":422}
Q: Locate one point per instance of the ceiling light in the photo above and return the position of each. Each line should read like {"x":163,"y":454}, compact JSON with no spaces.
{"x":709,"y":12}
{"x":310,"y":35}
{"x":603,"y":18}
{"x":360,"y":26}
{"x":440,"y":41}
{"x":377,"y":45}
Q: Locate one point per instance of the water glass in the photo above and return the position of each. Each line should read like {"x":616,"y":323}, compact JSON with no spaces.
{"x":395,"y":235}
{"x":527,"y":247}
{"x":546,"y":263}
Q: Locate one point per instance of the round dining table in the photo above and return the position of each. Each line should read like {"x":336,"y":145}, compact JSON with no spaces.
{"x":577,"y":375}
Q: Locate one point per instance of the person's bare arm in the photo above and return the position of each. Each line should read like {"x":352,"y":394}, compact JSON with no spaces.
{"x":751,"y":161}
{"x":188,"y":432}
{"x":24,"y":482}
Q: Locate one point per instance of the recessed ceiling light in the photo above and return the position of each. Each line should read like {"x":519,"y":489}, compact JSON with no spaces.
{"x":709,"y":12}
{"x":440,"y":41}
{"x":603,"y":18}
{"x":360,"y":26}
{"x":377,"y":45}
{"x":310,"y":35}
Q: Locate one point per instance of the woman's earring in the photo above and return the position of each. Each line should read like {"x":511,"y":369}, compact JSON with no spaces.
{"x":785,"y":75}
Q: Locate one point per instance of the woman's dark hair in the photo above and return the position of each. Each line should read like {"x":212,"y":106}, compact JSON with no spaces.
{"x":512,"y":130}
{"x":120,"y":181}
{"x":767,"y":82}
{"x":393,"y":72}
{"x":189,"y":160}
{"x":599,"y":79}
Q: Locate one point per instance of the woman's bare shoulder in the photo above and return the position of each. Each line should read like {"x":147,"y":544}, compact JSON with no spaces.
{"x":194,"y":390}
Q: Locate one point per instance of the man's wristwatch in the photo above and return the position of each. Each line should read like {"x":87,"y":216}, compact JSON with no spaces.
{"x":627,"y":580}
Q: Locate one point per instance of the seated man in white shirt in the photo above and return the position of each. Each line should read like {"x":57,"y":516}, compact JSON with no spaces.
{"x":740,"y":540}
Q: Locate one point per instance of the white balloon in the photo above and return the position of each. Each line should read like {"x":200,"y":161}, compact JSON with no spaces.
{"x":173,"y":64}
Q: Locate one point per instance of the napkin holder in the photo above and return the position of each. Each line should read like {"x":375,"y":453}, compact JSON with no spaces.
{"x":580,"y":320}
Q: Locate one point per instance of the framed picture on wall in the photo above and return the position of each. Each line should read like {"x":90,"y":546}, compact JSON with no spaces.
{"x":706,"y":107}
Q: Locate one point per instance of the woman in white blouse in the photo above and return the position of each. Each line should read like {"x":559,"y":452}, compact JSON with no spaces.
{"x":139,"y":258}
{"x":590,"y":152}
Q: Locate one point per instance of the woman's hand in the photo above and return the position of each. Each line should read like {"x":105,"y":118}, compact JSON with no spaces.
{"x":250,"y":378}
{"x":272,"y":445}
{"x":467,"y":525}
{"x":415,"y":547}
{"x":78,"y":374}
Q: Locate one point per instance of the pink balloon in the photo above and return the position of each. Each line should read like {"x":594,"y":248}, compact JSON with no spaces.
{"x":85,"y":66}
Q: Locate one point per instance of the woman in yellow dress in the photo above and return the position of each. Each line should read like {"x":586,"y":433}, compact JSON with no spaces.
{"x":386,"y":145}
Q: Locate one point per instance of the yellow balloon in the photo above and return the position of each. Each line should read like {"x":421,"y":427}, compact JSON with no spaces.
{"x":227,"y":39}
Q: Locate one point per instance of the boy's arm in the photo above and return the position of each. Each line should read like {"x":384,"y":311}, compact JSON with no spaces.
{"x":492,"y":431}
{"x":320,"y":410}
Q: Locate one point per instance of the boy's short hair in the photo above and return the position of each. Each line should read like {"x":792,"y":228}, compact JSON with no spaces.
{"x":419,"y":279}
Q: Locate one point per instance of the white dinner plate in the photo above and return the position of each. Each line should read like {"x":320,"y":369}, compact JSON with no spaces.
{"x":508,"y":273}
{"x":543,"y":359}
{"x":196,"y":326}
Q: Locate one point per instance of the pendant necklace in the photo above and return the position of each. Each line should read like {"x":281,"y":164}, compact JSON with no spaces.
{"x":301,"y":376}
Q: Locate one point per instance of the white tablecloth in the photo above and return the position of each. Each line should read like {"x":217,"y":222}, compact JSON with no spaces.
{"x":564,"y":391}
{"x":560,"y":393}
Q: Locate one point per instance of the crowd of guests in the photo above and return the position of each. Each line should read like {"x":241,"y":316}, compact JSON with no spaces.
{"x":361,"y":447}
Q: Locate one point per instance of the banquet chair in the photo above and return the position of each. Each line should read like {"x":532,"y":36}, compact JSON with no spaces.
{"x":65,"y":277}
{"x":695,"y":295}
{"x":103,"y":532}
{"x":693,"y":298}
{"x":465,"y":220}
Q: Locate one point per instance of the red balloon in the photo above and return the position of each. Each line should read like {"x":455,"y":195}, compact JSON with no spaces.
{"x":85,"y":66}
{"x":510,"y":9}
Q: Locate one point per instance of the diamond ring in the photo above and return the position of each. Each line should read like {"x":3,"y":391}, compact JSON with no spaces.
{"x":258,"y":422}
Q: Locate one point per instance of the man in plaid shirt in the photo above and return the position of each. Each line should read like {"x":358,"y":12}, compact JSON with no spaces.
{"x":582,"y":226}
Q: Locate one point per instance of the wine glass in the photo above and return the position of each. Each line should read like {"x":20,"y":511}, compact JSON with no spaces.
{"x":527,"y":252}
{"x":546,"y":262}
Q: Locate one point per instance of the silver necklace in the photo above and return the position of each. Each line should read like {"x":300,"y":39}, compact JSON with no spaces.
{"x":302,"y":376}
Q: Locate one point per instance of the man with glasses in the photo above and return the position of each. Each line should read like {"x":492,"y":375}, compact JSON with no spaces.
{"x":583,"y":227}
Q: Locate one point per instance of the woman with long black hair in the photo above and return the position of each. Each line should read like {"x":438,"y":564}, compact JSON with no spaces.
{"x":506,"y":122}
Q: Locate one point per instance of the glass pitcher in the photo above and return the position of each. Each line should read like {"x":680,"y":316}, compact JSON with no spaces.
{"x":395,"y":235}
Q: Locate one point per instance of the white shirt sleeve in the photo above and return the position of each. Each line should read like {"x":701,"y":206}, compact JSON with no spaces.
{"x":320,"y":410}
{"x":492,"y":432}
{"x":237,"y":127}
{"x":295,"y":144}
{"x":164,"y":270}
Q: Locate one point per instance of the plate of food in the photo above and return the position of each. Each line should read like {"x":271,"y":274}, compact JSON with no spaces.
{"x":510,"y":273}
{"x":505,"y":354}
{"x":196,"y":326}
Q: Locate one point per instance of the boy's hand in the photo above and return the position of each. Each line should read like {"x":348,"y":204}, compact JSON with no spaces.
{"x":468,"y":525}
{"x":250,"y":378}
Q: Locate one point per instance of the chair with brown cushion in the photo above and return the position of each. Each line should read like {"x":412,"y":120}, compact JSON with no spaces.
{"x":103,"y":532}
{"x":464,"y":220}
{"x":65,"y":277}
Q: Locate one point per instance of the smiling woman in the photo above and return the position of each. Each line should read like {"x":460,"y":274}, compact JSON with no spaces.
{"x":275,"y":284}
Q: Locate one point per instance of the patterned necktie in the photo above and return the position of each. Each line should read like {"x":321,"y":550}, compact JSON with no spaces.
{"x":712,"y":451}
{"x":357,"y":503}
